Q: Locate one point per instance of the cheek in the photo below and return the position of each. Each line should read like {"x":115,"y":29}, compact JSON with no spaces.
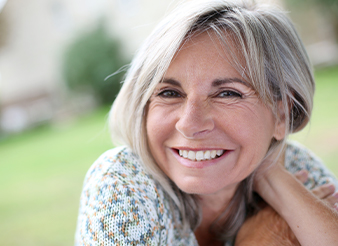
{"x":257,"y":124}
{"x":159,"y":127}
{"x":254,"y":131}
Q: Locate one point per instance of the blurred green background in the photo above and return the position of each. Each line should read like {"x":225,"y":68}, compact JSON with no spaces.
{"x":56,"y":56}
{"x":42,"y":177}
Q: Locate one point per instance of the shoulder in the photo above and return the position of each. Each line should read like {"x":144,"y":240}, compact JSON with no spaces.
{"x":298,"y":157}
{"x":121,"y":204}
{"x":119,"y":164}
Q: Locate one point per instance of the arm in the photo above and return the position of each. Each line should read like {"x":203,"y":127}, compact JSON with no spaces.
{"x":312,"y":221}
{"x":267,"y":228}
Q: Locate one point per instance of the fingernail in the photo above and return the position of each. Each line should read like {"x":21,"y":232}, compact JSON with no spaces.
{"x":302,"y":172}
{"x":332,"y":187}
{"x":335,"y":195}
{"x":336,"y":206}
{"x":302,"y":175}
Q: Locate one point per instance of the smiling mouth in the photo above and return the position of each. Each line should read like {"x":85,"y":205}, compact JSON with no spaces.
{"x":200,"y":155}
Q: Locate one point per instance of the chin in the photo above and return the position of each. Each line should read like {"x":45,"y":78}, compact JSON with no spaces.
{"x":200,"y":188}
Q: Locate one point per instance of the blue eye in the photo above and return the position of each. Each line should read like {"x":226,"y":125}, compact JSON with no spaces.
{"x":169,"y":94}
{"x":229,"y":94}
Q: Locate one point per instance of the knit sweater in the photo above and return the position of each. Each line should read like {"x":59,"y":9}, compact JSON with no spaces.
{"x":123,"y":205}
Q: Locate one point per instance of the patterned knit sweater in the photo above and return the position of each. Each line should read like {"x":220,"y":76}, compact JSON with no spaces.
{"x":122,"y":205}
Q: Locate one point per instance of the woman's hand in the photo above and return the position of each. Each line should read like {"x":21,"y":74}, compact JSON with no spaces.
{"x":268,"y":228}
{"x":326,"y":192}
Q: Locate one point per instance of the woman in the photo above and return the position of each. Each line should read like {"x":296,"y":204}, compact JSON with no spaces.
{"x":205,"y":110}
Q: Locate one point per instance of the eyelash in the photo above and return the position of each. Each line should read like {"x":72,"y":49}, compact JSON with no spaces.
{"x":164,"y":93}
{"x":230,"y":93}
{"x":174,"y":94}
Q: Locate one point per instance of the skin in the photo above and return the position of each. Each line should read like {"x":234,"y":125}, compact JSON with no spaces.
{"x":268,"y":228}
{"x":204,"y":103}
{"x":312,"y":220}
{"x":201,"y":106}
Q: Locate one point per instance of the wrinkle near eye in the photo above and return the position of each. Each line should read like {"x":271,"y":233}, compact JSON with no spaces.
{"x":248,"y":101}
{"x":250,"y":107}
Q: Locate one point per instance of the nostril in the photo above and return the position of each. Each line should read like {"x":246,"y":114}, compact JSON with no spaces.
{"x":195,"y":126}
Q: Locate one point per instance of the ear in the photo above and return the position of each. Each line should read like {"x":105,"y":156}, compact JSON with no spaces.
{"x":280,"y":125}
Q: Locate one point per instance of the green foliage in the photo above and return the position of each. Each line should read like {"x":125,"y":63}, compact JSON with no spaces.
{"x":89,"y":60}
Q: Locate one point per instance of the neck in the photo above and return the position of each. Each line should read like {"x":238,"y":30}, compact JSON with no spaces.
{"x":213,"y":205}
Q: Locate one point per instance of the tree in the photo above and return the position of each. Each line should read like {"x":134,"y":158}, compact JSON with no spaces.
{"x":90,"y":59}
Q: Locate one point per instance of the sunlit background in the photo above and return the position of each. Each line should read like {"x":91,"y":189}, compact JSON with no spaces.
{"x":55,"y":59}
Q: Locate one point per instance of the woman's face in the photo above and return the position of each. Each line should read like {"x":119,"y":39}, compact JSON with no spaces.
{"x":206,"y":127}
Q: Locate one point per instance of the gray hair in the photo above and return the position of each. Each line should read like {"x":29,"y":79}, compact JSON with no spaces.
{"x":275,"y":63}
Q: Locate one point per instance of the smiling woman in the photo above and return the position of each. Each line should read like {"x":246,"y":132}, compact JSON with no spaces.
{"x":204,"y":112}
{"x":204,"y":106}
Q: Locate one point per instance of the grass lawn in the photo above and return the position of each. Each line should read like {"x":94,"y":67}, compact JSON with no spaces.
{"x":41,"y":175}
{"x":41,"y":171}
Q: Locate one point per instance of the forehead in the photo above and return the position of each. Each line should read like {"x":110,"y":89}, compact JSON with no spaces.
{"x":204,"y":57}
{"x":206,"y":44}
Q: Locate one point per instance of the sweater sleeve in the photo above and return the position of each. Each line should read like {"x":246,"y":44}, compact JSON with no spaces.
{"x":117,"y":207}
{"x":297,"y":157}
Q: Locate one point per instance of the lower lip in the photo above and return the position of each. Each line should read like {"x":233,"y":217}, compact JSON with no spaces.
{"x":199,"y":164}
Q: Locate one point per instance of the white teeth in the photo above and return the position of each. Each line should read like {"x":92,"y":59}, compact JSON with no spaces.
{"x":213,"y":153}
{"x":207,"y":155}
{"x":200,"y":155}
{"x":191,"y":155}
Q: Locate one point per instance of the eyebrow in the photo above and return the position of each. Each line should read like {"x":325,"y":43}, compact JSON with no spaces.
{"x":171,"y":82}
{"x":219,"y":82}
{"x":215,"y":83}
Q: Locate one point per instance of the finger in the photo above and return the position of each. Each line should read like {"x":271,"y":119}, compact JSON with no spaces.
{"x":335,"y":206}
{"x":332,"y":200}
{"x":324,"y":191}
{"x":302,"y":175}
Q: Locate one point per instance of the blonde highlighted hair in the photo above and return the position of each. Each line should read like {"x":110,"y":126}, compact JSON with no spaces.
{"x":275,"y":63}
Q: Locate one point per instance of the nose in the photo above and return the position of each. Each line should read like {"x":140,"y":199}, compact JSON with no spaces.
{"x":195,"y":120}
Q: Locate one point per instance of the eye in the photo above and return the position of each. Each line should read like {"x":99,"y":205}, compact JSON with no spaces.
{"x":229,"y":93}
{"x":169,"y":94}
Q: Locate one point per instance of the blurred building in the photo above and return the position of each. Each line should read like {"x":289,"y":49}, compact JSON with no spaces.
{"x":33,"y":35}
